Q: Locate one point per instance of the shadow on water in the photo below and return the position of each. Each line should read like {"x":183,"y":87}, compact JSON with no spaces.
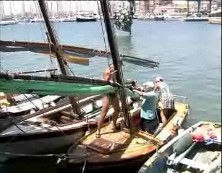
{"x":125,"y":43}
{"x":30,"y":165}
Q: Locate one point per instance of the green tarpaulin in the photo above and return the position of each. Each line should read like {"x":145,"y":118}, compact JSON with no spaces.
{"x":52,"y":88}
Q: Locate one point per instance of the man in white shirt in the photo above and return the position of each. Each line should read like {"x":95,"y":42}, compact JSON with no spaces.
{"x":166,"y":100}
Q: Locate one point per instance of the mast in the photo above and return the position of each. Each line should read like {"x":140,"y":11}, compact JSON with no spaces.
{"x":116,"y":59}
{"x":23,"y":9}
{"x":57,"y":50}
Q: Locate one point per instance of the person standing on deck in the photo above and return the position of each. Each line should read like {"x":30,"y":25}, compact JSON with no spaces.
{"x":111,"y":98}
{"x":149,"y":121}
{"x":166,"y":101}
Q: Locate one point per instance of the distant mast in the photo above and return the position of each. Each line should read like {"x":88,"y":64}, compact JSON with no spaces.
{"x":1,"y":10}
{"x":23,"y":9}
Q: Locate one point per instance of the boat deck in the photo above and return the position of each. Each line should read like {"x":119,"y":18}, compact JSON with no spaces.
{"x":113,"y":146}
{"x":202,"y":158}
{"x":174,"y":122}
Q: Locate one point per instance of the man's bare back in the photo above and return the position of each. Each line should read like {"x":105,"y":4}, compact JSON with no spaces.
{"x":109,"y":75}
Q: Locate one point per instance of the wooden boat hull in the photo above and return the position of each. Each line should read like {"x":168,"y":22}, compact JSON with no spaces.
{"x":129,"y":166}
{"x":85,"y":19}
{"x":87,"y":156}
{"x":39,"y":143}
{"x":44,"y":137}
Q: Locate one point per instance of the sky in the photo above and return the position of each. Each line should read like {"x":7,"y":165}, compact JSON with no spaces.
{"x":17,"y":7}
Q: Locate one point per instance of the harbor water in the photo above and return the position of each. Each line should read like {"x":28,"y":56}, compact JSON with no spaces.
{"x":189,"y":55}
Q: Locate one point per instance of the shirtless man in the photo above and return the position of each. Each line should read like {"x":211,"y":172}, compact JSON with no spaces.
{"x":109,"y":75}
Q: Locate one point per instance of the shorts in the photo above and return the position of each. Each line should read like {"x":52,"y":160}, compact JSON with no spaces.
{"x":149,"y":125}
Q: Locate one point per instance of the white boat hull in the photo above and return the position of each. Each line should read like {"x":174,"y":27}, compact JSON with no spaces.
{"x":33,"y":146}
{"x":37,"y":138}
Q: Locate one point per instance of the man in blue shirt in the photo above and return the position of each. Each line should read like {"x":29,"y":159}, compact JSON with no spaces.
{"x":148,"y":113}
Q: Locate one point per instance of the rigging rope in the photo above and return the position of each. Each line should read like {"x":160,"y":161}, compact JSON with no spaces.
{"x":103,"y":33}
{"x":37,"y":109}
{"x":46,"y":39}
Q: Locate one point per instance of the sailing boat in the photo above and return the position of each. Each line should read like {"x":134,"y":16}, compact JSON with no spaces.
{"x":54,"y":127}
{"x":22,"y":104}
{"x":40,"y":135}
{"x":125,"y":150}
{"x":123,"y":18}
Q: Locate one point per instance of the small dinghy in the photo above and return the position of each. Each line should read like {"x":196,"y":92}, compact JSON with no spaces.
{"x":197,"y":149}
{"x":24,"y":104}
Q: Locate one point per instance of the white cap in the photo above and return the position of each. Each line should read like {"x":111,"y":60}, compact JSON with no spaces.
{"x":158,"y":79}
{"x":148,"y":84}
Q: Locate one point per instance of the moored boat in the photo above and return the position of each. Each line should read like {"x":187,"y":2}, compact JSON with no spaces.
{"x":215,"y":17}
{"x":53,"y":128}
{"x":86,"y":18}
{"x":25,"y":104}
{"x":121,"y":151}
{"x":124,"y":150}
{"x":215,"y":20}
{"x":197,"y":149}
{"x":195,"y":18}
{"x":8,"y":22}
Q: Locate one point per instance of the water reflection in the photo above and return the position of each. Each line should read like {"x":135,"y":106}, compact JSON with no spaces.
{"x":125,"y":43}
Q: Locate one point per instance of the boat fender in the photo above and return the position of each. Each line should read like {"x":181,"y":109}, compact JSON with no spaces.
{"x":182,"y":144}
{"x":198,"y":135}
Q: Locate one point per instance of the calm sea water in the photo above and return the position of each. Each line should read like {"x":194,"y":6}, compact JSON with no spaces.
{"x":189,"y":55}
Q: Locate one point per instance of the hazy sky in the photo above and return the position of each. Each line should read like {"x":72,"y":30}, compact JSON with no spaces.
{"x":15,"y":7}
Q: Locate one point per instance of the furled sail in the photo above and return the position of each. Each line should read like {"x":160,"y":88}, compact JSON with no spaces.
{"x":72,"y":53}
{"x":52,"y":88}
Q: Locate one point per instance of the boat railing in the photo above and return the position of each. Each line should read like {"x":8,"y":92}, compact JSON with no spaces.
{"x":180,"y":98}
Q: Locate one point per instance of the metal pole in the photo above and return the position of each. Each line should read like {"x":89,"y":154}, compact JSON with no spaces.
{"x":198,"y":6}
{"x":115,"y":58}
{"x":57,"y":50}
{"x":210,"y":4}
{"x":188,"y":5}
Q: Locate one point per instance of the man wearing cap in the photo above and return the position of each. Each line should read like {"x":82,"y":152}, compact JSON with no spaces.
{"x":148,"y":114}
{"x":166,"y":101}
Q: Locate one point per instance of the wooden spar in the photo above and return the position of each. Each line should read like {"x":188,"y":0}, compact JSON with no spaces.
{"x":58,"y":78}
{"x":116,"y":59}
{"x":132,"y":7}
{"x":41,"y":47}
{"x":53,"y":39}
{"x":57,"y":51}
{"x":36,"y":71}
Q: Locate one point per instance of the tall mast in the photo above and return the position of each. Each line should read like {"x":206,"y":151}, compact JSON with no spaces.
{"x":23,"y":9}
{"x":116,"y":59}
{"x":57,"y":50}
